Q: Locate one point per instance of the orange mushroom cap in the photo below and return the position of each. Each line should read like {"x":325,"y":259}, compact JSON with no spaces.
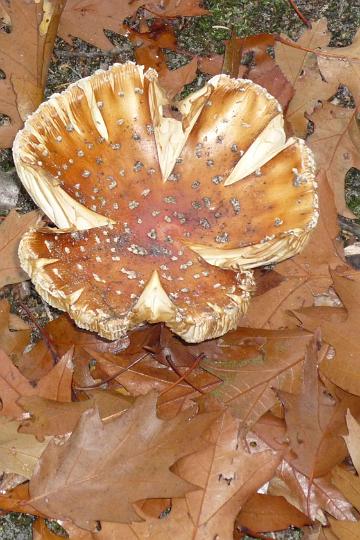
{"x":161,"y":219}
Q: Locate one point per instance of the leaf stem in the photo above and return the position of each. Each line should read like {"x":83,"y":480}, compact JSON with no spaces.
{"x":299,"y":14}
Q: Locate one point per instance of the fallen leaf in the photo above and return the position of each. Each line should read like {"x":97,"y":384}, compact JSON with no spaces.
{"x":227,"y":475}
{"x":342,"y":367}
{"x":17,"y":500}
{"x":248,"y":383}
{"x":174,"y":80}
{"x":148,"y":445}
{"x":55,"y":385}
{"x":301,"y":70}
{"x":11,"y":231}
{"x":315,"y":422}
{"x":25,"y":54}
{"x":312,"y":497}
{"x":349,"y":485}
{"x":352,"y":440}
{"x":336,"y":145}
{"x":50,"y":417}
{"x":264,"y":513}
{"x":19,"y":453}
{"x":12,"y":342}
{"x":87,"y":20}
{"x":341,"y":65}
{"x":306,"y":275}
{"x":264,"y":70}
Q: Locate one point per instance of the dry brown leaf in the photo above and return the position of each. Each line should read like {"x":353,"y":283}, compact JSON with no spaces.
{"x":353,"y":441}
{"x":87,"y":20}
{"x":50,"y":417}
{"x":301,"y":69}
{"x":336,"y":145}
{"x":82,"y":469}
{"x":11,"y":342}
{"x":264,"y":513}
{"x":55,"y":385}
{"x":227,"y":475}
{"x":310,"y":497}
{"x":19,"y":452}
{"x":11,"y":231}
{"x":349,"y":485}
{"x":17,"y":500}
{"x":315,"y":421}
{"x":341,"y":65}
{"x":263,"y":69}
{"x":342,"y":367}
{"x":248,"y":382}
{"x":306,"y":275}
{"x":174,"y":80}
{"x":25,"y":55}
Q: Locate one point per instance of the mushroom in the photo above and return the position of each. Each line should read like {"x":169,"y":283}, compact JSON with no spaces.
{"x":161,"y":219}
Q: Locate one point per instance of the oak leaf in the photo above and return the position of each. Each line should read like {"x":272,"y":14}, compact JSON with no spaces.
{"x":11,"y":231}
{"x":315,"y":421}
{"x":132,"y":463}
{"x":306,"y":275}
{"x":312,"y":497}
{"x":19,"y":452}
{"x":51,"y":417}
{"x":248,"y":382}
{"x":301,"y":70}
{"x":227,"y":475}
{"x":340,"y":367}
{"x":25,"y":54}
{"x":55,"y":385}
{"x":341,"y":65}
{"x":336,"y":145}
{"x":12,"y":341}
{"x":264,"y":513}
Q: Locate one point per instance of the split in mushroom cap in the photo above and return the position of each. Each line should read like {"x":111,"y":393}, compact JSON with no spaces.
{"x":152,"y":211}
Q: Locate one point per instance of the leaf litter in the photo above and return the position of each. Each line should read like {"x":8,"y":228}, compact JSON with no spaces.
{"x":129,"y":432}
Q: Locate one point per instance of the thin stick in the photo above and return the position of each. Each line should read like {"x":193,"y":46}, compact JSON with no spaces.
{"x":314,"y":51}
{"x":299,"y":14}
{"x":184,"y":375}
{"x":181,"y":377}
{"x":112,"y":377}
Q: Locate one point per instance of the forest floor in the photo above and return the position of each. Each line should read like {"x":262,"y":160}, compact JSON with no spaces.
{"x":198,"y":36}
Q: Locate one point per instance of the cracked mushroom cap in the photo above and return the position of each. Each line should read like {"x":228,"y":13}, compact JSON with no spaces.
{"x":161,"y":219}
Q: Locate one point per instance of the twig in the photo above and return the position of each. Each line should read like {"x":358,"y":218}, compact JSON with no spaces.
{"x":318,"y":52}
{"x":181,"y":377}
{"x":112,"y":377}
{"x":47,"y":340}
{"x":185,"y":374}
{"x":299,"y":14}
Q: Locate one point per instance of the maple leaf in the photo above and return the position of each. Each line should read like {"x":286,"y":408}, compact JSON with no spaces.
{"x":25,"y":54}
{"x":336,"y":144}
{"x":11,"y":231}
{"x":309,"y":496}
{"x":139,"y":439}
{"x":248,"y":382}
{"x":306,"y":275}
{"x":227,"y":475}
{"x":19,"y":453}
{"x":342,"y":367}
{"x":301,"y":69}
{"x":51,"y":417}
{"x":54,"y":385}
{"x":264,"y":513}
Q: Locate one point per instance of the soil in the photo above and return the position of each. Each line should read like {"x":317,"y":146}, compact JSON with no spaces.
{"x":203,"y":36}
